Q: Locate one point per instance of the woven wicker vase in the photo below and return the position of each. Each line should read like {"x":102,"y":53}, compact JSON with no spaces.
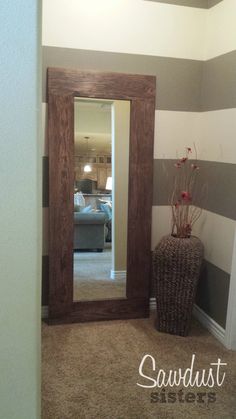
{"x":176,"y":268}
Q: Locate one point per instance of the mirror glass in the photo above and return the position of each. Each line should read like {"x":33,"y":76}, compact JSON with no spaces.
{"x":101,"y":166}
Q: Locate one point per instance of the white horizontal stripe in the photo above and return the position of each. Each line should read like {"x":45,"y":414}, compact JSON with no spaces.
{"x":174,"y":131}
{"x":166,"y":30}
{"x":161,"y":223}
{"x":213,"y":133}
{"x":217,"y":235}
{"x":215,"y":231}
{"x":217,"y":135}
{"x":220,"y":29}
{"x":128,"y":26}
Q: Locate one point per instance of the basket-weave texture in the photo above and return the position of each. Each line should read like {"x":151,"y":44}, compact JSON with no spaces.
{"x":176,"y":268}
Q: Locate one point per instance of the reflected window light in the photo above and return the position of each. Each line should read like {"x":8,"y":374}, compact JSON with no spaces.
{"x":109,"y":183}
{"x":87,"y":168}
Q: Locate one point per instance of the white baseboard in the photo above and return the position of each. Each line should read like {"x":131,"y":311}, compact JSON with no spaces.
{"x":214,"y":328}
{"x":118,"y":274}
{"x":152,"y":303}
{"x":44,"y":312}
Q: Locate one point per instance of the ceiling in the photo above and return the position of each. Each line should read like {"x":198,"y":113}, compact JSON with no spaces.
{"x":92,"y":127}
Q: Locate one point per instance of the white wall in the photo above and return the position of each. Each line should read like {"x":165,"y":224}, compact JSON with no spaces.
{"x":212,"y":132}
{"x":220,"y":35}
{"x":141,"y":27}
{"x":128,"y":26}
{"x":20,"y":207}
{"x":120,"y":178}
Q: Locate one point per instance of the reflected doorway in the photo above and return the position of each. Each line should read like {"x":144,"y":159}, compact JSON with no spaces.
{"x":101,"y":161}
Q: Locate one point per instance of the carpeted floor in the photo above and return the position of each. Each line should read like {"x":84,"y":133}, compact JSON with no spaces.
{"x":92,"y":280}
{"x":90,"y":371}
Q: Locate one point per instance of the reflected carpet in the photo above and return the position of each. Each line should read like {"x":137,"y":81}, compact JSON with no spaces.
{"x":92,"y":280}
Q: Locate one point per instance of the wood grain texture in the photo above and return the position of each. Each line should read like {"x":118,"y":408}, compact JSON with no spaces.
{"x":61,"y":205}
{"x":63,"y":86}
{"x":94,"y":84}
{"x":114,"y":309}
{"x":140,"y":198}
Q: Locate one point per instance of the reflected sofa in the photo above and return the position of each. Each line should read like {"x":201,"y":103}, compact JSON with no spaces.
{"x":89,"y":230}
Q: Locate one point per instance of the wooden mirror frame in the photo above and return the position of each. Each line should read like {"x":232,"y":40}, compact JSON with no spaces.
{"x":63,"y":86}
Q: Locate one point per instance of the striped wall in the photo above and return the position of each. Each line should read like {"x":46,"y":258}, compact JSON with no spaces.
{"x":196,"y":102}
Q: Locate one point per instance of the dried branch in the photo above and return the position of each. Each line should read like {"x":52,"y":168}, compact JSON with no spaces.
{"x":184,"y":213}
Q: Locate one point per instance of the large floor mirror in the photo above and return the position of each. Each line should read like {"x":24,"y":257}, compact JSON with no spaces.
{"x":101,"y":158}
{"x":100,"y":131}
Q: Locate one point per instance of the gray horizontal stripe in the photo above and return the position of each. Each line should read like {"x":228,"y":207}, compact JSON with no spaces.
{"x":203,"y":4}
{"x":218,"y":180}
{"x":45,"y":182}
{"x":213,"y":292}
{"x":219,"y":82}
{"x":212,"y":3}
{"x":178,"y":80}
{"x":182,"y":85}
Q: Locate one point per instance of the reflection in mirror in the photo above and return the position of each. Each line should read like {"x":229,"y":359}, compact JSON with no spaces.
{"x":101,"y":156}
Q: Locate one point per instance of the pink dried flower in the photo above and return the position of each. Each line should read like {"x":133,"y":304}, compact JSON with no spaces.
{"x":186,"y":196}
{"x":184,"y":212}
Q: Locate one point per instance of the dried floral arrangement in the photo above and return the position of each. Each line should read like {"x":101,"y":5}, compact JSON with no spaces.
{"x":184,"y":213}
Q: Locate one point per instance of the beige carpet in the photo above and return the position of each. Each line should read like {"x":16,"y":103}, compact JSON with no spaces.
{"x":92,"y":277}
{"x":90,"y":371}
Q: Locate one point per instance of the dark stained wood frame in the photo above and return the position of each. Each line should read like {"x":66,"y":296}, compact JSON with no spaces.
{"x":63,"y":86}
